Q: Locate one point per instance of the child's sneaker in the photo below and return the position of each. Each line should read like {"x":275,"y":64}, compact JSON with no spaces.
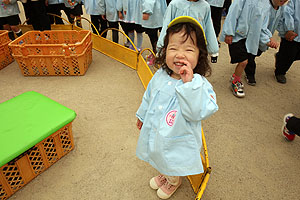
{"x":150,"y":60}
{"x":237,"y":89}
{"x":250,"y":80}
{"x":157,"y":181}
{"x":232,"y":78}
{"x":289,"y":135}
{"x":167,"y":189}
{"x":127,"y":44}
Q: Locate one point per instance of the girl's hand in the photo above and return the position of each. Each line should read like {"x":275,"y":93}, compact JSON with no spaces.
{"x":228,"y":39}
{"x":290,"y":35}
{"x":103,"y":17}
{"x":139,"y":124}
{"x":146,"y":16}
{"x":186,"y":72}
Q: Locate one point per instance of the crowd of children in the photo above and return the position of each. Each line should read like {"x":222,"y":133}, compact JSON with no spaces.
{"x":183,"y":33}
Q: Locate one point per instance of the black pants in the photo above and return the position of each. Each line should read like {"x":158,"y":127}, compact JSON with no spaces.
{"x":39,"y":18}
{"x":226,"y":5}
{"x":216,"y":15}
{"x":153,"y":35}
{"x":27,"y":11}
{"x":55,"y":9}
{"x":100,"y":24}
{"x":115,"y":34}
{"x":287,"y":54}
{"x":294,"y":125}
{"x":251,"y":65}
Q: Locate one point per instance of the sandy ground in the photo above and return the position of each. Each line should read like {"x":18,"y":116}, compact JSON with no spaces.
{"x":249,"y":157}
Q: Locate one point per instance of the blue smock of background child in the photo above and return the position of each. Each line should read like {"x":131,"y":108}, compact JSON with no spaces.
{"x":199,"y":10}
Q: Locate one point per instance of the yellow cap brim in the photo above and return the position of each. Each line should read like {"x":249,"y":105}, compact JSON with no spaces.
{"x":187,"y":19}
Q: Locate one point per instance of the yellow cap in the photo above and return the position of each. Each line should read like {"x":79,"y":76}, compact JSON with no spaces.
{"x":184,"y":19}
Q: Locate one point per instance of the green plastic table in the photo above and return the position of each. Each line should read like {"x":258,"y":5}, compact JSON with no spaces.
{"x":26,"y":120}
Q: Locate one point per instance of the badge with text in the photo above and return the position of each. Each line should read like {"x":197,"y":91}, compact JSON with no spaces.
{"x":170,"y":118}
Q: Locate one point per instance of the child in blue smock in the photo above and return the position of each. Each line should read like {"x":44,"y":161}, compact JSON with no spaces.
{"x":9,"y":17}
{"x":243,"y":31}
{"x":110,"y":13}
{"x":92,"y":8}
{"x":198,"y":9}
{"x":275,"y":14}
{"x":177,"y":99}
{"x":289,"y":50}
{"x":127,"y":10}
{"x":152,"y":13}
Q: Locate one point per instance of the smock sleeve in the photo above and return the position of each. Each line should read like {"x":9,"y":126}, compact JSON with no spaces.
{"x":288,"y":14}
{"x":148,"y":6}
{"x":197,"y":99}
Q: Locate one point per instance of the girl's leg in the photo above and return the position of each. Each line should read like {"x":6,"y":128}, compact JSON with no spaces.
{"x":240,"y":68}
{"x":115,"y":33}
{"x":103,"y":24}
{"x":16,"y":30}
{"x":153,"y":35}
{"x":131,"y":36}
{"x":139,"y":40}
{"x":10,"y":32}
{"x":95,"y":21}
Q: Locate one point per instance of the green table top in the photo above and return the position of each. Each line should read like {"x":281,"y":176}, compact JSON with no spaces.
{"x":26,"y":120}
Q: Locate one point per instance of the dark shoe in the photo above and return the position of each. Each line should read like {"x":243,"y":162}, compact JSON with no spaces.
{"x":250,"y":80}
{"x":280,"y":78}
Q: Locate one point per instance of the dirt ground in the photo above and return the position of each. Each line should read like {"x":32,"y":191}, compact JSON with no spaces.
{"x":249,"y":157}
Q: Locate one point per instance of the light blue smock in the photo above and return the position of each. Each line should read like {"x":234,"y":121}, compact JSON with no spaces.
{"x":171,"y":111}
{"x":92,"y":7}
{"x":216,"y":3}
{"x":245,"y":19}
{"x":52,"y":2}
{"x":272,"y":24}
{"x":74,"y":3}
{"x":156,"y":9}
{"x":291,"y":19}
{"x":9,"y":9}
{"x":130,"y":6}
{"x":199,"y":10}
{"x":109,"y":8}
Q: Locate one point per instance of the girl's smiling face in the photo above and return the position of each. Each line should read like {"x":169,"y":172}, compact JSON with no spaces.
{"x":181,"y":50}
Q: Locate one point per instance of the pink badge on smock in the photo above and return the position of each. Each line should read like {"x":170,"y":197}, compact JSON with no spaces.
{"x":170,"y":118}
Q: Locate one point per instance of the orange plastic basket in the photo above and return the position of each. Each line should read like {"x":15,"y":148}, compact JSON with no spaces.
{"x":21,"y":170}
{"x":66,"y":52}
{"x":5,"y":52}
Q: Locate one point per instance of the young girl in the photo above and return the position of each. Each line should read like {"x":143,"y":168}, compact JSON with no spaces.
{"x":177,"y":98}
